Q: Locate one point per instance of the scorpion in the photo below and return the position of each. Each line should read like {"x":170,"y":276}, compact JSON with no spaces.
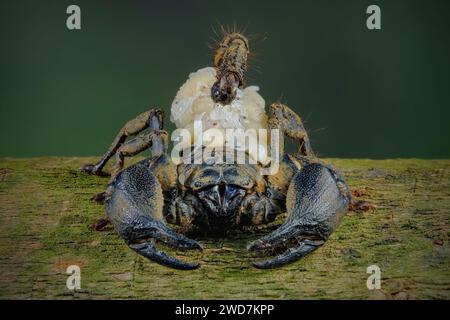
{"x":143,"y":199}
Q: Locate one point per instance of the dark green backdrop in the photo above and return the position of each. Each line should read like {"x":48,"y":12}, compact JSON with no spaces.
{"x":361,"y":93}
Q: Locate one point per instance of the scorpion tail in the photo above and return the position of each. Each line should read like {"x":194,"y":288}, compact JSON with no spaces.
{"x":134,"y":204}
{"x":231,"y":55}
{"x":230,"y":61}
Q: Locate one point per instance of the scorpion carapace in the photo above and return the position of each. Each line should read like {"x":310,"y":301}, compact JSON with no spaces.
{"x":143,"y":199}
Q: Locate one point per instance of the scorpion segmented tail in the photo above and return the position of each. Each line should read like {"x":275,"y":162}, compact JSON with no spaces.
{"x":231,"y":56}
{"x":230,"y":61}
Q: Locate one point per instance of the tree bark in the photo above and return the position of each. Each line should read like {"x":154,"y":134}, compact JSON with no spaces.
{"x":46,"y":212}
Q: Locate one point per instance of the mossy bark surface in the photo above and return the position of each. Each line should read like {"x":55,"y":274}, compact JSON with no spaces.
{"x":46,"y":213}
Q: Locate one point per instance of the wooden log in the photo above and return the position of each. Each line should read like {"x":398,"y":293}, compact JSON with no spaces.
{"x":46,"y":213}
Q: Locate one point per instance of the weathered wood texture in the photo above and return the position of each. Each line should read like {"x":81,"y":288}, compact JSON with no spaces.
{"x":46,"y":211}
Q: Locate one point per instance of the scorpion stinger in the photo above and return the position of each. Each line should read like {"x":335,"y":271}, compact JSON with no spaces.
{"x":230,"y":62}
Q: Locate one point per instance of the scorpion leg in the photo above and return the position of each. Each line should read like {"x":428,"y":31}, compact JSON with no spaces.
{"x":152,"y":119}
{"x":156,"y":140}
{"x":317,"y":198}
{"x":134,"y":204}
{"x":283,"y":118}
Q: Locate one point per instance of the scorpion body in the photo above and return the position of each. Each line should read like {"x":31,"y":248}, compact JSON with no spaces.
{"x":143,"y":199}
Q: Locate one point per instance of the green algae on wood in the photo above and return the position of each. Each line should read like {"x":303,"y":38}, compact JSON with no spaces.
{"x":46,"y":213}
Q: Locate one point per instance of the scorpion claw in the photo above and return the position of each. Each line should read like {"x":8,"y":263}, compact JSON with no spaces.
{"x":273,"y":241}
{"x":316,"y":202}
{"x":134,"y":205}
{"x":168,"y":237}
{"x":149,"y":251}
{"x":176,"y":240}
{"x":290,"y":255}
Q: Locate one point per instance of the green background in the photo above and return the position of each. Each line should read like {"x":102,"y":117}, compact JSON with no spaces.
{"x":361,"y":93}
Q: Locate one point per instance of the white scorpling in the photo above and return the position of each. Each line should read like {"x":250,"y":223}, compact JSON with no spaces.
{"x":247,"y":111}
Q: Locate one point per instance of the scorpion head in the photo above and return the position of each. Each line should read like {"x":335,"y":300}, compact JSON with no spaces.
{"x":221,"y":191}
{"x":230,"y":61}
{"x":222,"y":202}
